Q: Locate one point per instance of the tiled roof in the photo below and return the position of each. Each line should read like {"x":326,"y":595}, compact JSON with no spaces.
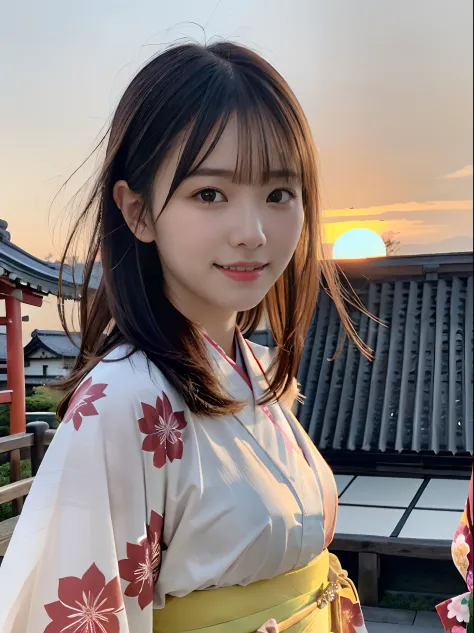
{"x":417,"y":394}
{"x":56,"y":341}
{"x":41,"y":276}
{"x":263,"y":337}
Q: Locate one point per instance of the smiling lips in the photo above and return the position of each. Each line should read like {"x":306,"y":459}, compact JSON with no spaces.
{"x":242,"y":271}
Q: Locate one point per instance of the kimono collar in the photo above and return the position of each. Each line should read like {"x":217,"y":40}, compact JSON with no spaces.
{"x":241,"y":383}
{"x":248,"y":386}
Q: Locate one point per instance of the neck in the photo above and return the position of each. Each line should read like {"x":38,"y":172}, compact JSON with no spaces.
{"x":223,"y":333}
{"x":218,"y":324}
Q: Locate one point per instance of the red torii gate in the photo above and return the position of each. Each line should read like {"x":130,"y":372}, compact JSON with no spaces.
{"x":24,"y":279}
{"x":15,"y":395}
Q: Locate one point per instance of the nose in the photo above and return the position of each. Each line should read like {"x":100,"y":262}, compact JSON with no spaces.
{"x":247,"y":228}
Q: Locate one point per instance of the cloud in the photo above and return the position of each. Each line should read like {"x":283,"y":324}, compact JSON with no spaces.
{"x":457,"y":244}
{"x":332,"y":215}
{"x":416,"y":230}
{"x":415,"y":222}
{"x":465,"y":172}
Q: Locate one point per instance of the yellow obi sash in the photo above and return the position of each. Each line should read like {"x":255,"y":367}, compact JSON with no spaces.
{"x":296,"y":600}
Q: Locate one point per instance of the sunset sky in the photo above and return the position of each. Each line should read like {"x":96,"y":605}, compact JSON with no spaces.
{"x":386,"y":85}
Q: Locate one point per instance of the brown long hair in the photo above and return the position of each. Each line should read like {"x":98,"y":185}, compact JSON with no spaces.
{"x":193,"y":90}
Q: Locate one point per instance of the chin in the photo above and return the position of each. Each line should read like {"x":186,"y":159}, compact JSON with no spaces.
{"x":243,"y":304}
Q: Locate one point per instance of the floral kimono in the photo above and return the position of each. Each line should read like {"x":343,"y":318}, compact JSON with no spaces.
{"x":138,"y":502}
{"x":456,"y":613}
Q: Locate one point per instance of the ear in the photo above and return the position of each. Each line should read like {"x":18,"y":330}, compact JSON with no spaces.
{"x":131,"y":206}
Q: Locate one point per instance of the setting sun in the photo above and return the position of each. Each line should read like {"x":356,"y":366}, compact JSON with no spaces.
{"x":359,"y":244}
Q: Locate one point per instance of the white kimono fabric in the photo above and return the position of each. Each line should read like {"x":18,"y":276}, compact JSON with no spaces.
{"x":137,"y":498}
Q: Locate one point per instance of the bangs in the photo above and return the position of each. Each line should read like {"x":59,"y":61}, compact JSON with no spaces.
{"x":270,"y":132}
{"x":268,"y":145}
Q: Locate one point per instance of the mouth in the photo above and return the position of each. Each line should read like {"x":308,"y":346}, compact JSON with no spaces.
{"x":242,"y":271}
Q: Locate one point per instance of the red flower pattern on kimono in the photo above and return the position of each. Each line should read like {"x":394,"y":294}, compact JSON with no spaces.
{"x":461,"y":550}
{"x":456,"y":613}
{"x":162,"y":427}
{"x":142,"y":566}
{"x":82,"y":402}
{"x":442,"y":610}
{"x":351,"y":614}
{"x":86,"y":605}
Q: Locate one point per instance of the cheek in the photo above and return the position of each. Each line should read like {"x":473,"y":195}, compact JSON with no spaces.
{"x":170,"y":239}
{"x":286,"y":230}
{"x":182,"y":239}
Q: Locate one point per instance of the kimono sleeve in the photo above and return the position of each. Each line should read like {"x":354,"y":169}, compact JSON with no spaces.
{"x":85,"y":555}
{"x":456,"y":614}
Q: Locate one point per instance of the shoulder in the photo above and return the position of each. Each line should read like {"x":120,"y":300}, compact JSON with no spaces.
{"x":127,"y":372}
{"x":119,"y":384}
{"x":127,"y":411}
{"x":124,"y":364}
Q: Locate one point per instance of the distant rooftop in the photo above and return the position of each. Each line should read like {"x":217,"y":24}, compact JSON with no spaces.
{"x":55,"y":341}
{"x":408,"y":265}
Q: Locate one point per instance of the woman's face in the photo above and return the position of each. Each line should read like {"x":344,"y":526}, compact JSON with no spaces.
{"x":223,"y":245}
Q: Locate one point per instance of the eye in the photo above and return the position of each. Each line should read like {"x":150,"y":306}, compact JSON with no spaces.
{"x":208,"y":196}
{"x":281,"y":196}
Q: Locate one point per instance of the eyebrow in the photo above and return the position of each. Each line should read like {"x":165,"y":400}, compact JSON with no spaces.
{"x":274,"y":174}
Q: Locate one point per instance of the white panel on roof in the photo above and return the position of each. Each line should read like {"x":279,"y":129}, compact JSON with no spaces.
{"x":382,"y":491}
{"x":448,"y":494}
{"x":367,"y":521}
{"x":342,"y":482}
{"x":431,"y":524}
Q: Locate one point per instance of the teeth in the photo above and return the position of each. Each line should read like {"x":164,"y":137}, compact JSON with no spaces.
{"x":239,"y":268}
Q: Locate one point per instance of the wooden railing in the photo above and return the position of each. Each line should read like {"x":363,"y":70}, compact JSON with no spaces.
{"x":37,"y":437}
{"x":48,"y":436}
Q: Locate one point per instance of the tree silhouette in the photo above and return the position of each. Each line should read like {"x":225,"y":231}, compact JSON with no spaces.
{"x":392,"y":244}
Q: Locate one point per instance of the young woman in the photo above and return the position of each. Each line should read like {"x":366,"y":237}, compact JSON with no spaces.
{"x":180,"y":494}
